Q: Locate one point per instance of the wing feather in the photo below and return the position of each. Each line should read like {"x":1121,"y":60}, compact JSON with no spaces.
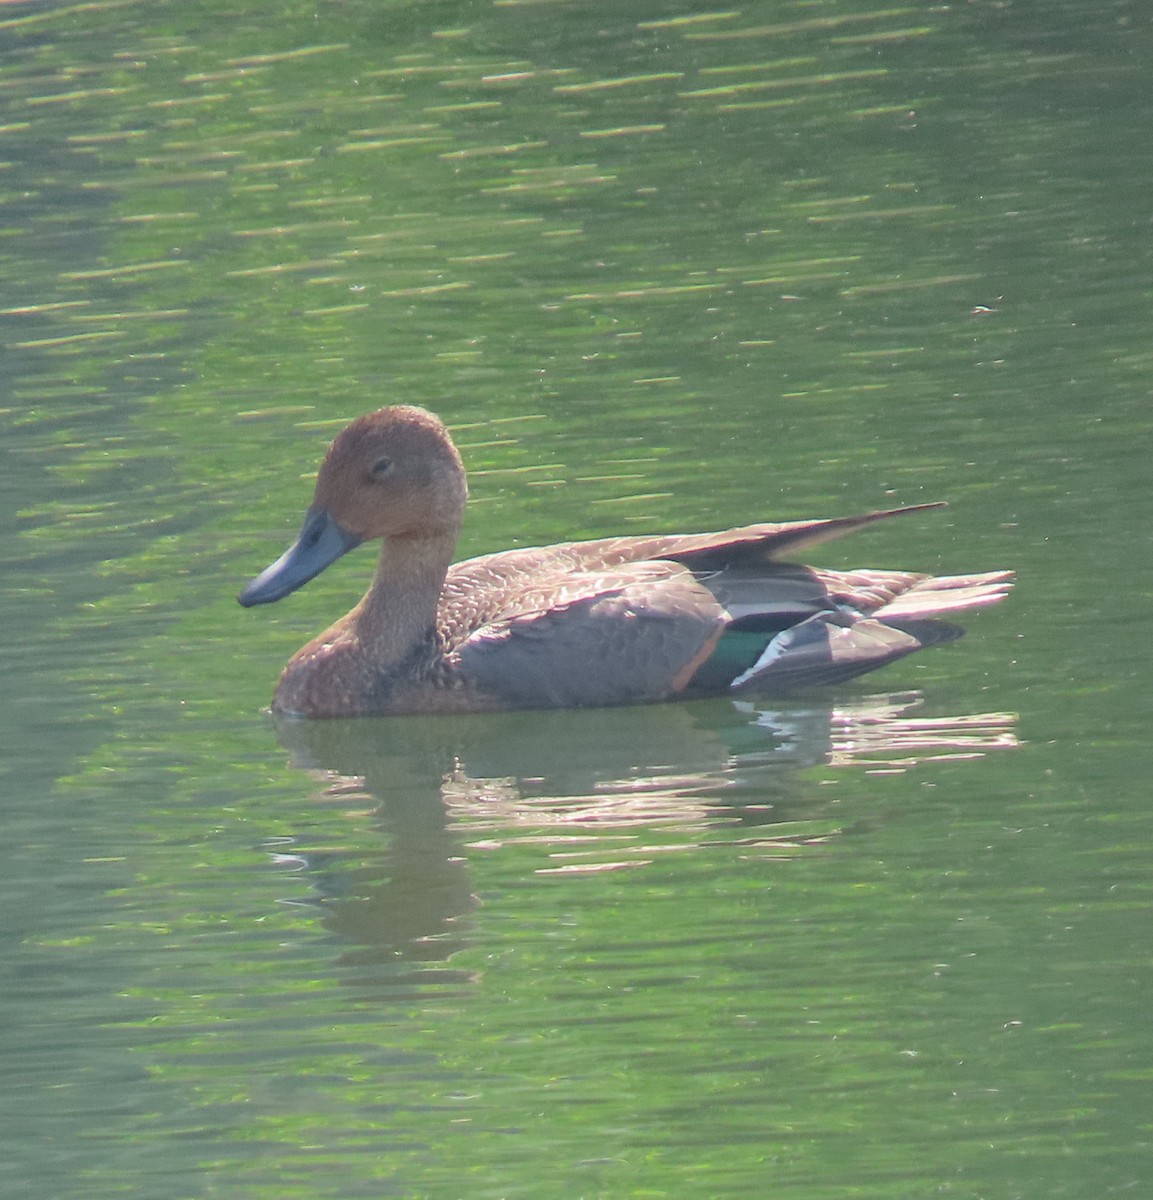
{"x":618,"y":637}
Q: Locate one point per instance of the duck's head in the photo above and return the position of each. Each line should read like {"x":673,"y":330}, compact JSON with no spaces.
{"x":391,"y":474}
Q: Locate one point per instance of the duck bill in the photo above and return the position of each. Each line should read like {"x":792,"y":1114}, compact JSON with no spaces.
{"x":321,"y":542}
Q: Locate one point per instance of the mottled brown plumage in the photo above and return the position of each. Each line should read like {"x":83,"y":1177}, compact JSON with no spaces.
{"x":615,"y":621}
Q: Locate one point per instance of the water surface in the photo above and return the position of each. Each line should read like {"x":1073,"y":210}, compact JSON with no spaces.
{"x":657,"y":269}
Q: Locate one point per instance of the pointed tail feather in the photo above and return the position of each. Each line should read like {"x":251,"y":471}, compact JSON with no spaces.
{"x":945,"y":594}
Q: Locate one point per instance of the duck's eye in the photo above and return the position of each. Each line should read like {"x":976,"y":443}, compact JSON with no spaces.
{"x":382,"y":466}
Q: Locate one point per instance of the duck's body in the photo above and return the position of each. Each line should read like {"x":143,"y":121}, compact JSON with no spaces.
{"x":616,"y":621}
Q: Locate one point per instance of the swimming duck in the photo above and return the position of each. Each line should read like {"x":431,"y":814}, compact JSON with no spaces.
{"x":622,"y":620}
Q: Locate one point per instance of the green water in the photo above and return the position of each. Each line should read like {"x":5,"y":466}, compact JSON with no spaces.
{"x":659,"y":267}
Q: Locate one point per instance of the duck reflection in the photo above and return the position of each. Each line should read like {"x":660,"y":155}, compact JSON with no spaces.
{"x":588,"y":791}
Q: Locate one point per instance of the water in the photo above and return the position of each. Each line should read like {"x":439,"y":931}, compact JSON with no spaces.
{"x":669,"y":269}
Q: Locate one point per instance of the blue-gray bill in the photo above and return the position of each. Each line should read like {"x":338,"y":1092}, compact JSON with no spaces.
{"x":321,"y":542}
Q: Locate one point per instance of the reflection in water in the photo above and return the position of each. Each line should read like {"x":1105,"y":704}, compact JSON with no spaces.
{"x":592,"y":790}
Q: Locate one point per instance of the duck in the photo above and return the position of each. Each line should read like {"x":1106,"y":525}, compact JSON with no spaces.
{"x":613,"y":621}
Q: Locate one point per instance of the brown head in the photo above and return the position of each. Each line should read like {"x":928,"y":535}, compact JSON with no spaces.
{"x":393,"y":473}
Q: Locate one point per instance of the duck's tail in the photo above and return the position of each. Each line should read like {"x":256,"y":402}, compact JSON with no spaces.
{"x":940,"y":594}
{"x":840,"y":643}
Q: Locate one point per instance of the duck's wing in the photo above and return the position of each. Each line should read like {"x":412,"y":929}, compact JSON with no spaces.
{"x":654,"y":630}
{"x":624,"y":635}
{"x":480,"y":590}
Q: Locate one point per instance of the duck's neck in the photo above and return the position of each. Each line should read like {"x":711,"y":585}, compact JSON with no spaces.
{"x":398,"y":612}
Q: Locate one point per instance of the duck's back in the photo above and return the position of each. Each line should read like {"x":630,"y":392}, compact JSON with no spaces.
{"x":510,"y":583}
